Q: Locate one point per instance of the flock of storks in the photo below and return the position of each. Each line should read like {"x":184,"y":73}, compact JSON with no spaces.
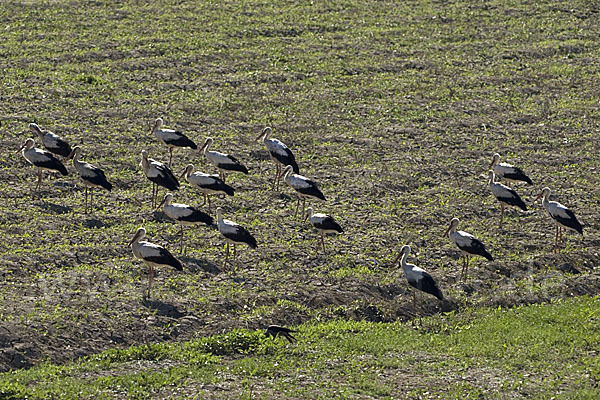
{"x":160,"y":174}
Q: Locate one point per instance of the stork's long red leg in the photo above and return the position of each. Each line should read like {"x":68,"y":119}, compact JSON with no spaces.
{"x":502,"y":214}
{"x":322,"y":241}
{"x":181,"y":239}
{"x":39,"y":182}
{"x":274,"y":186}
{"x":150,"y":279}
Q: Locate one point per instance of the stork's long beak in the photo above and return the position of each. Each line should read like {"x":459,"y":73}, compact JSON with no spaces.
{"x":259,"y":136}
{"x":22,"y":147}
{"x":397,"y":258}
{"x":537,"y":198}
{"x":306,"y":217}
{"x":183,"y":173}
{"x":161,"y":203}
{"x":70,"y":155}
{"x":447,"y":230}
{"x":134,"y":239}
{"x":202,"y":148}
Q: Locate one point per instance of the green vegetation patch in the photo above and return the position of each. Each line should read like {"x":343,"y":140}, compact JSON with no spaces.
{"x":536,"y":351}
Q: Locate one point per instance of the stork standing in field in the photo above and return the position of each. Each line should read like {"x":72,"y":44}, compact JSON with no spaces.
{"x":92,"y":176}
{"x":507,"y":171}
{"x":206,"y":184}
{"x":505,"y":195}
{"x":153,"y":255}
{"x":223,"y":162}
{"x":561,"y":215}
{"x":323,"y":222}
{"x":304,"y":187}
{"x":233,"y":233}
{"x":41,"y":159}
{"x":159,"y":174}
{"x":468,"y":244}
{"x":184,"y":214}
{"x":279,"y":153}
{"x":51,"y":141}
{"x":417,"y":277}
{"x":171,"y":138}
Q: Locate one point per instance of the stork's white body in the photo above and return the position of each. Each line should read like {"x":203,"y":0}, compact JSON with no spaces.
{"x":91,"y":175}
{"x":152,"y":255}
{"x":51,"y":141}
{"x":204,"y":182}
{"x":562,"y":216}
{"x":41,"y":159}
{"x":233,"y":233}
{"x":224,"y":162}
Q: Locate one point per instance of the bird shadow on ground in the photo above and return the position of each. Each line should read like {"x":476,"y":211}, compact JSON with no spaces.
{"x":160,"y":216}
{"x":194,"y":265}
{"x":63,"y":184}
{"x":55,"y":208}
{"x":163,"y":309}
{"x":93,"y":223}
{"x":259,"y":155}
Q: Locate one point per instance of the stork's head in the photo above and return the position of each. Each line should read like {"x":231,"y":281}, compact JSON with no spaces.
{"x":287,"y":170}
{"x":404,"y":252}
{"x":207,"y":143}
{"x":187,"y":171}
{"x":264,"y":134}
{"x":495,"y":160}
{"x":545,"y":195}
{"x":139,"y":235}
{"x":158,"y":123}
{"x":29,"y":143}
{"x":74,"y":153}
{"x":219,"y":213}
{"x":453,"y":225}
{"x":309,"y":213}
{"x":166,"y":200}
{"x":35,"y":128}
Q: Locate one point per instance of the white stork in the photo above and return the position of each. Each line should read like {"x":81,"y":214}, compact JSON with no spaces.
{"x":206,"y":184}
{"x":279,"y":153}
{"x":41,"y":159}
{"x":51,"y":141}
{"x":171,"y":138}
{"x":92,"y":176}
{"x":417,"y":277}
{"x":562,"y":216}
{"x":505,"y":195}
{"x":508,"y":171}
{"x":233,"y":233}
{"x":468,"y":244}
{"x":184,"y":214}
{"x":152,"y":254}
{"x":323,"y":223}
{"x":304,"y":187}
{"x":223,"y":162}
{"x":159,"y":174}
